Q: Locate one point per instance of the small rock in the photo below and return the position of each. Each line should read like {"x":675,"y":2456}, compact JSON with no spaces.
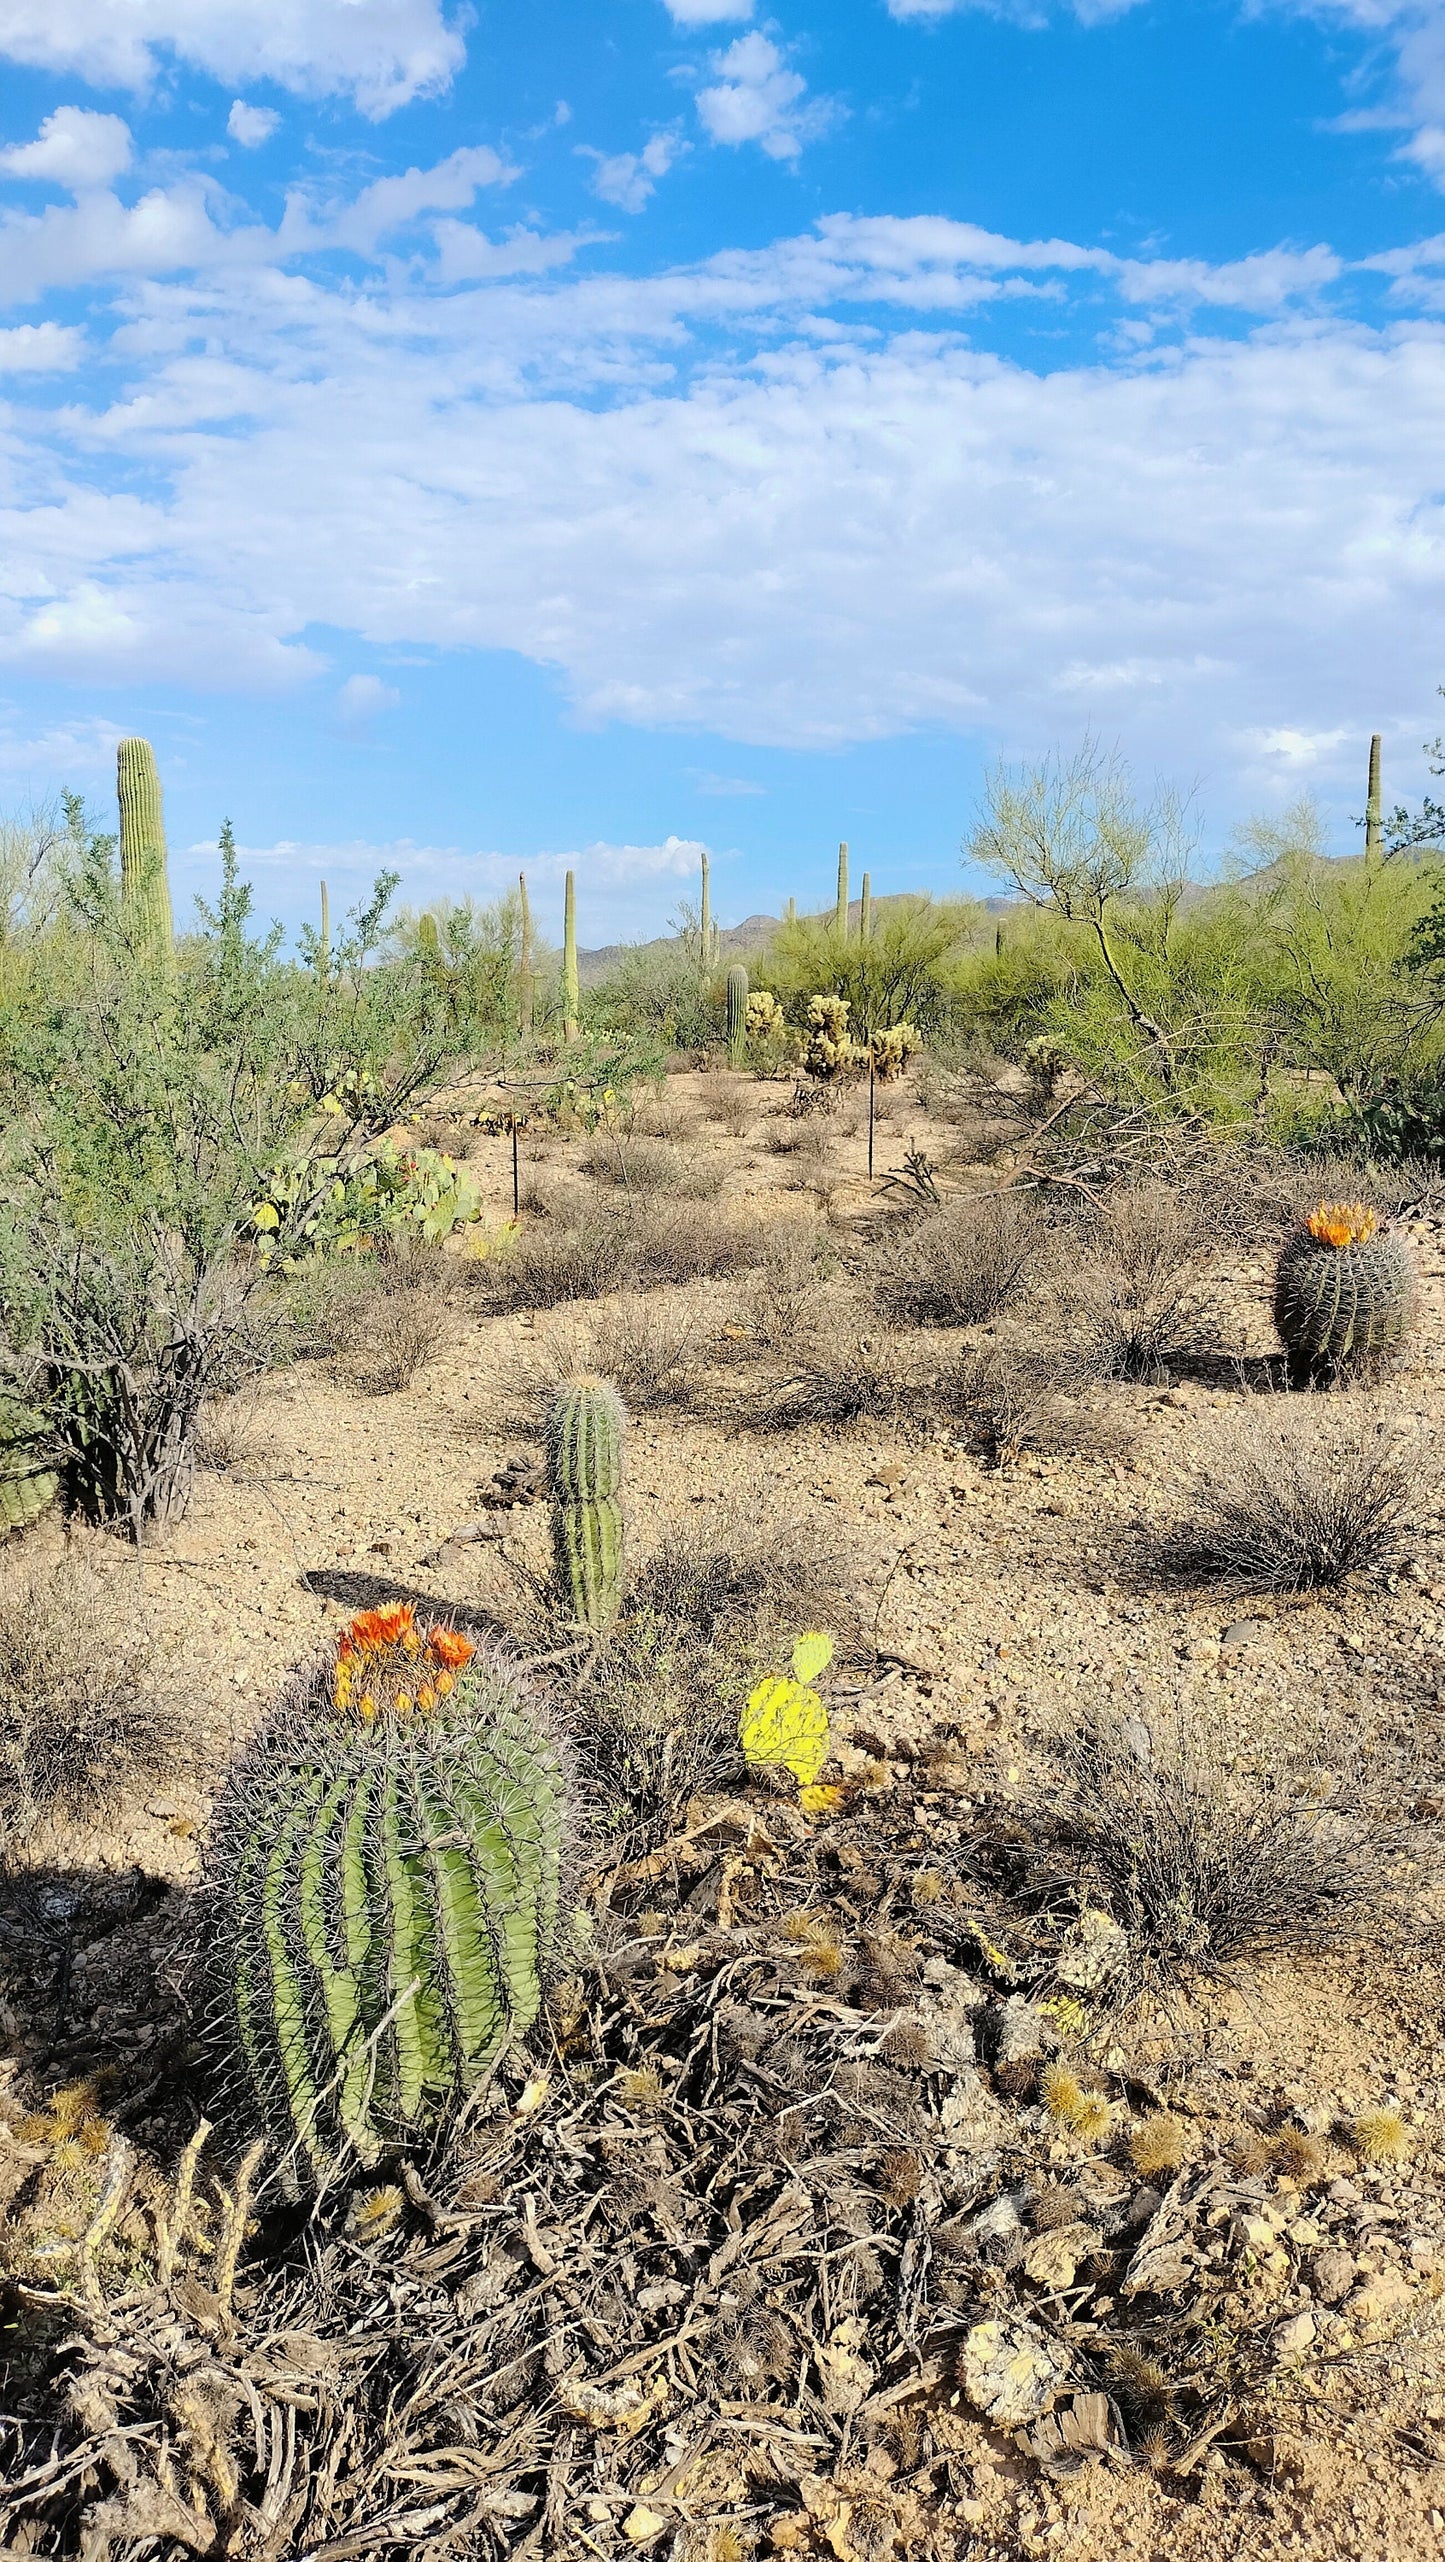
{"x":1294,"y":2339}
{"x":1009,"y":2372}
{"x":1095,"y":1949}
{"x":1052,"y":2259}
{"x":1380,"y":2300}
{"x":999,"y":2222}
{"x":1242,"y":1632}
{"x":1144,"y":2205}
{"x":643,"y":2526}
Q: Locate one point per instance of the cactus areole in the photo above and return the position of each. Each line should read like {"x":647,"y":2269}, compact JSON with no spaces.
{"x":384,"y":1871}
{"x":1342,"y":1290}
{"x":585,"y":1436}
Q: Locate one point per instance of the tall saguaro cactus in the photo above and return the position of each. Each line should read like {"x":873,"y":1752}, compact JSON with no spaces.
{"x":705,"y":915}
{"x":737,"y":1014}
{"x":865,"y":909}
{"x":571,"y":1001}
{"x":1374,"y":806}
{"x":840,"y":917}
{"x":585,"y":1435}
{"x":524,"y":964}
{"x":145,"y":894}
{"x":323,"y":948}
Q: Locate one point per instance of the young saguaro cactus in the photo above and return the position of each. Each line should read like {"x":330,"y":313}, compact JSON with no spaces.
{"x":1342,"y":1290}
{"x":586,"y":1432}
{"x":737,"y":1024}
{"x":385,"y":1871}
{"x":145,"y":894}
{"x":571,"y":1000}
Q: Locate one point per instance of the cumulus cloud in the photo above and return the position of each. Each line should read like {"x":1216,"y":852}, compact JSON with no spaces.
{"x":74,"y":149}
{"x":754,"y":97}
{"x":361,"y":698}
{"x":382,"y":53}
{"x":41,"y":347}
{"x":390,"y":203}
{"x":629,"y":178}
{"x":251,"y":126}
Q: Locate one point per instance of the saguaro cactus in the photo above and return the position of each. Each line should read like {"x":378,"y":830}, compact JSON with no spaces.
{"x":705,"y":914}
{"x":1342,"y":1291}
{"x":571,"y":1002}
{"x":145,"y":894}
{"x":323,"y":948}
{"x":524,"y":964}
{"x":585,"y":1436}
{"x":384,"y":1870}
{"x":28,"y":1483}
{"x":737,"y":1013}
{"x":865,"y":909}
{"x":1374,"y":805}
{"x":840,"y":913}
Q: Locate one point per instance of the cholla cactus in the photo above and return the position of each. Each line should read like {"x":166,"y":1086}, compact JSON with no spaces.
{"x":586,"y":1432}
{"x":831,"y":1051}
{"x":385,"y":1869}
{"x":892,"y":1050}
{"x":1342,"y":1290}
{"x":28,"y":1484}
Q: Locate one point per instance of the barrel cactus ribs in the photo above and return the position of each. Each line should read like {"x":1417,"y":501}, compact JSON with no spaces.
{"x":1343,"y":1291}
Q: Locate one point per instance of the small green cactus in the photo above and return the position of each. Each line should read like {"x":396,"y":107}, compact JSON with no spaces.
{"x":385,"y":1875}
{"x":1342,"y":1291}
{"x":585,"y":1436}
{"x":145,"y":895}
{"x":27,"y":1484}
{"x":737,"y":1013}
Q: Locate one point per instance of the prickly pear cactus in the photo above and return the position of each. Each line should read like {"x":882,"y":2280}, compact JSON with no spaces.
{"x":384,"y":1871}
{"x":27,"y":1484}
{"x":1342,"y":1291}
{"x":737,"y":1025}
{"x":585,"y":1436}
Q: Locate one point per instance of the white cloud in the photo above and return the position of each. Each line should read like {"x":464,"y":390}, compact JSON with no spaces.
{"x":74,"y":149}
{"x":1265,"y":283}
{"x":251,"y":126}
{"x":1300,"y":750}
{"x":41,"y":347}
{"x":628,"y":178}
{"x":390,"y":203}
{"x":707,"y":13}
{"x":1026,"y":13}
{"x":382,"y":53}
{"x":754,"y":97}
{"x":617,"y":885}
{"x":361,"y":698}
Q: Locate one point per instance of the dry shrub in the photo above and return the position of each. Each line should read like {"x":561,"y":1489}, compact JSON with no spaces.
{"x":689,"y":1241}
{"x":781,"y":1297}
{"x":1129,"y":1294}
{"x":561,"y":1256}
{"x":841,"y":1376}
{"x":729,"y":1099}
{"x":1014,"y":1402}
{"x":1207,"y":1859}
{"x":1301,"y":1495}
{"x":659,"y":1115}
{"x":83,"y":1713}
{"x":649,"y":1350}
{"x":766,"y":1575}
{"x":649,"y":1169}
{"x":962,"y":1264}
{"x":390,"y":1337}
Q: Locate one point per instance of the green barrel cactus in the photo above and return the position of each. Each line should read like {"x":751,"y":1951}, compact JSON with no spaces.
{"x":1342,"y":1291}
{"x":737,"y":1013}
{"x":585,"y":1436}
{"x":385,"y":1872}
{"x":28,"y":1484}
{"x":145,"y":894}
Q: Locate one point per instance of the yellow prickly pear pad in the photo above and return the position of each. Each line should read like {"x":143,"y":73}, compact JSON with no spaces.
{"x":812,"y":1654}
{"x":785,"y":1727}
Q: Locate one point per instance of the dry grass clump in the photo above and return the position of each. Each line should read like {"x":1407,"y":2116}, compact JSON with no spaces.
{"x":765,"y":1575}
{"x":1302,"y":1496}
{"x":649,"y":1349}
{"x":558,"y":1257}
{"x":839,"y":1376}
{"x":730,"y":1099}
{"x":808,"y":1148}
{"x":1129,"y":1293}
{"x":960,"y":1265}
{"x":83,"y":1711}
{"x":1205,"y":1865}
{"x":390,"y":1337}
{"x":781,"y":1297}
{"x":1013,"y":1402}
{"x":652,"y":1169}
{"x":690,"y":1241}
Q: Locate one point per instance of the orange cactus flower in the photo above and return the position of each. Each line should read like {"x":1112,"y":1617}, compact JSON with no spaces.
{"x":1342,"y":1223}
{"x":451,"y":1648}
{"x":372,"y":1631}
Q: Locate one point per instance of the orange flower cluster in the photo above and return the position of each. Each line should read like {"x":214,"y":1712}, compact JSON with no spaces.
{"x":383,"y":1661}
{"x":1342,"y":1222}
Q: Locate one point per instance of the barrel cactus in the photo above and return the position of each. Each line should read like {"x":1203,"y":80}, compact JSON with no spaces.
{"x":1342,"y":1290}
{"x":585,"y":1435}
{"x":145,"y":894}
{"x":737,"y":1013}
{"x":385,"y":1866}
{"x":28,"y":1484}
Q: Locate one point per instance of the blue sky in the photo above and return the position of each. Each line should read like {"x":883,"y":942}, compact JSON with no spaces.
{"x":585,"y":433}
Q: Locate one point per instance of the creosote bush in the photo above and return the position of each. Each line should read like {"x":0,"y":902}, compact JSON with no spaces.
{"x":960,"y":1265}
{"x":84,"y":1710}
{"x":1207,"y":1859}
{"x":1302,"y":1495}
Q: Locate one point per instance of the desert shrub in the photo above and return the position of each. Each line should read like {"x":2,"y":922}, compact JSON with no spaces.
{"x":560,"y":1257}
{"x":730,"y":1100}
{"x":649,"y":1169}
{"x":1014,"y":1400}
{"x":807,"y":1148}
{"x":1207,"y":1857}
{"x":767,"y":1573}
{"x":961,"y":1264}
{"x":1130,"y":1289}
{"x":648,"y":1348}
{"x":1301,"y":1495}
{"x":83,"y":1712}
{"x":840,"y":1375}
{"x":391,"y":1336}
{"x":654,"y":1729}
{"x":692,"y":1241}
{"x":781,"y":1294}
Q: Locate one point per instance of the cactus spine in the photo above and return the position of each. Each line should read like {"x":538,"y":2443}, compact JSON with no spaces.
{"x":571,"y":1003}
{"x":524,"y":963}
{"x":1374,"y":806}
{"x":27,"y":1485}
{"x":385,"y":1868}
{"x":737,"y":1014}
{"x":145,"y":895}
{"x":323,"y":948}
{"x":865,"y":910}
{"x":1342,"y":1291}
{"x":840,"y":913}
{"x":585,"y":1435}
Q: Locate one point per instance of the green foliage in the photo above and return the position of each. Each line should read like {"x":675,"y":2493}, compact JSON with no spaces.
{"x":28,"y":1483}
{"x":385,"y":1874}
{"x":571,"y":1000}
{"x":311,"y":1209}
{"x":586,"y":1431}
{"x":908,"y":970}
